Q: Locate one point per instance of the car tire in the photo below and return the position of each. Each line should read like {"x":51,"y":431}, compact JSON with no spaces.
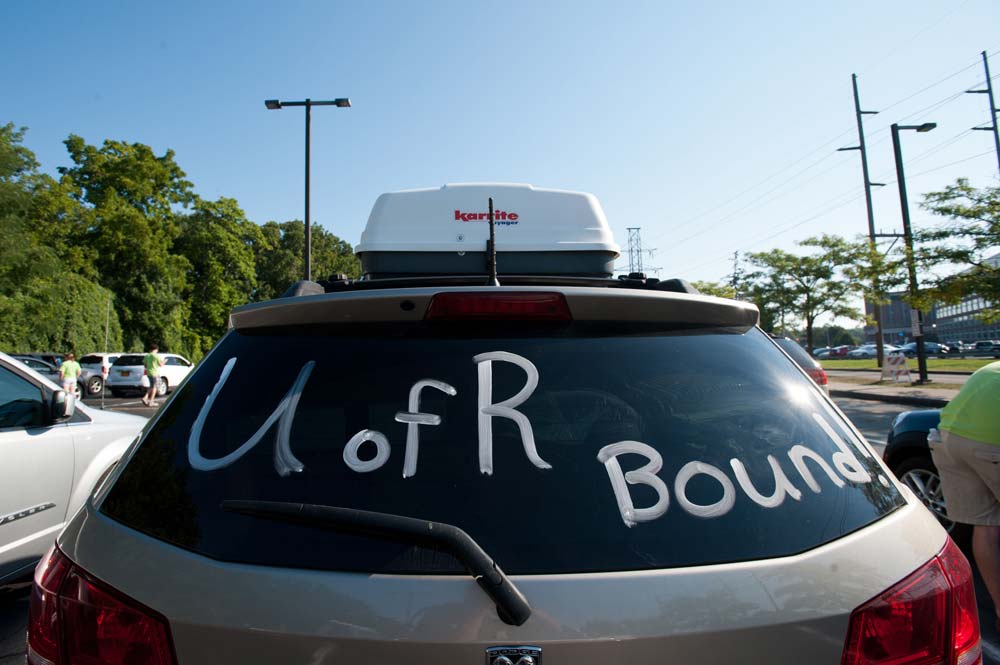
{"x":78,"y":391}
{"x":95,"y":385}
{"x":162,"y":386}
{"x":921,"y":476}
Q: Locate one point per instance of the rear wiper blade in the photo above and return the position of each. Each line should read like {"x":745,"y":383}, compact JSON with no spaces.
{"x":512,"y":607}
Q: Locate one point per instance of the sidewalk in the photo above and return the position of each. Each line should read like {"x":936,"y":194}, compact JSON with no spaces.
{"x":927,"y":397}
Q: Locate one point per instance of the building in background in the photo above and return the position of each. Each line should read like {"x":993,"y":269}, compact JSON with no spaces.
{"x":960,"y":321}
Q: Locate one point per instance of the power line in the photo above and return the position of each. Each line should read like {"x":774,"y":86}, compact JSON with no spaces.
{"x":944,"y":166}
{"x":946,"y":100}
{"x":911,"y":38}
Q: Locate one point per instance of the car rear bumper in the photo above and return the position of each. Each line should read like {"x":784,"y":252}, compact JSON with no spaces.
{"x":789,"y":609}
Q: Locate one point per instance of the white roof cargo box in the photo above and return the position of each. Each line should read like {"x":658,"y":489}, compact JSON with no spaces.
{"x":444,"y":232}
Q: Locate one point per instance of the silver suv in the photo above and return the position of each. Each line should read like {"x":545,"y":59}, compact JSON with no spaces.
{"x":585,"y":471}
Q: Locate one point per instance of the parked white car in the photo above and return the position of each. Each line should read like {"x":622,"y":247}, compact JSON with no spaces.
{"x":126,"y":374}
{"x":870,"y":351}
{"x":92,"y":371}
{"x":53,"y":451}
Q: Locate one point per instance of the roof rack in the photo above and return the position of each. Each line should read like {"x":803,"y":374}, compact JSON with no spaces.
{"x":341,"y":283}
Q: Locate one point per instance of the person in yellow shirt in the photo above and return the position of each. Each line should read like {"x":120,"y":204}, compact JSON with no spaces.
{"x":69,"y":372}
{"x":968,"y":459}
{"x":152,"y":362}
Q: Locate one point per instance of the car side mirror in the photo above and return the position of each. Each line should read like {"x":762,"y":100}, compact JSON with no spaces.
{"x":62,"y":406}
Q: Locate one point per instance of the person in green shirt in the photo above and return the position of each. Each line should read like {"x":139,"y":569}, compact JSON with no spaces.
{"x":968,"y":460}
{"x":152,"y":362}
{"x":69,"y":372}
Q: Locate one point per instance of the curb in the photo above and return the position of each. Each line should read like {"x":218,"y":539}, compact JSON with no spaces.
{"x":909,"y":400}
{"x":876,"y":369}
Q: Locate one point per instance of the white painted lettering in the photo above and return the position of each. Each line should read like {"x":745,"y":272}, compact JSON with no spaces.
{"x":414,"y":419}
{"x":798,"y":455}
{"x":505,"y":409}
{"x":782,"y":485}
{"x":355,"y":462}
{"x":646,"y":475}
{"x":717,"y":509}
{"x":845,"y":461}
{"x":285,"y":462}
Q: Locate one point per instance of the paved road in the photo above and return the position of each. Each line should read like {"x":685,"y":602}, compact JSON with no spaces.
{"x":871,"y":418}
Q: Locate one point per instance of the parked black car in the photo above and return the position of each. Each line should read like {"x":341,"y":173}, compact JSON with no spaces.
{"x":908,"y":455}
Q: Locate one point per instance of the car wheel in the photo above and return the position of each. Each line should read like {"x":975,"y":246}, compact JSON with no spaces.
{"x":95,"y":385}
{"x":921,"y":476}
{"x":161,"y":386}
{"x":77,"y":391}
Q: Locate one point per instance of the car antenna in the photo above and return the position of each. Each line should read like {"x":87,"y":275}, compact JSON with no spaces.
{"x":491,"y":252}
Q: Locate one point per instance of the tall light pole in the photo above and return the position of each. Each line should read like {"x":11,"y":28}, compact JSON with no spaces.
{"x":918,"y":330}
{"x":274,"y":105}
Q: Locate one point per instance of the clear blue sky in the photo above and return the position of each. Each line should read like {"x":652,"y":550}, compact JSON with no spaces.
{"x":712,"y":126}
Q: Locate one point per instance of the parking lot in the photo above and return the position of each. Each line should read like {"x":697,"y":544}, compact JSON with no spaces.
{"x":872,"y":418}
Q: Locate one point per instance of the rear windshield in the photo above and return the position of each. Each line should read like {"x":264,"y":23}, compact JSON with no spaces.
{"x":574,"y":448}
{"x":797,"y":353}
{"x":90,"y":360}
{"x":129,"y":360}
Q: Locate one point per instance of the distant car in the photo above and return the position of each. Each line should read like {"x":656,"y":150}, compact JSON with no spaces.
{"x":870,"y":351}
{"x":908,"y":455}
{"x":802,"y":359}
{"x":126,"y":374}
{"x":48,"y":370}
{"x":93,"y":367}
{"x":50,"y":358}
{"x":825,"y":350}
{"x":839,"y":351}
{"x":930,"y":349}
{"x":54,"y":451}
{"x":985,"y":347}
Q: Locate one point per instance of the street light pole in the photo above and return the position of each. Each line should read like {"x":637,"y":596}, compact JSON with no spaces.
{"x":918,"y":331}
{"x":274,"y":105}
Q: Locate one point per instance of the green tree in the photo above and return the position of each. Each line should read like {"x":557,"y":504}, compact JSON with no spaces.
{"x":805,"y":287}
{"x":279,"y":257}
{"x":218,"y":242}
{"x":130,"y":196}
{"x":43,"y":304}
{"x":718,"y":289}
{"x":967,"y":239}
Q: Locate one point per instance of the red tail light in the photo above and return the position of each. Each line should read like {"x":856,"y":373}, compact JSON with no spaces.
{"x":818,"y":375}
{"x":76,"y":619}
{"x":929,"y":617}
{"x":491,"y":306}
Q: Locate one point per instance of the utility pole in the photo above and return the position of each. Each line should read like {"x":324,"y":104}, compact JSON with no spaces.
{"x":861,"y":147}
{"x":634,"y":250}
{"x":993,"y":108}
{"x":918,"y":324}
{"x":737,"y":276}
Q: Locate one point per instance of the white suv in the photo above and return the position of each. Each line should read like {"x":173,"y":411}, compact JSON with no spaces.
{"x":53,"y":452}
{"x":94,"y":369}
{"x":126,"y":374}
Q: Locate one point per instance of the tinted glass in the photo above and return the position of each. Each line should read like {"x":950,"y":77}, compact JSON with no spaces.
{"x":797,"y":353}
{"x":128,"y":360}
{"x":549,"y":493}
{"x":20,"y":401}
{"x":90,"y":360}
